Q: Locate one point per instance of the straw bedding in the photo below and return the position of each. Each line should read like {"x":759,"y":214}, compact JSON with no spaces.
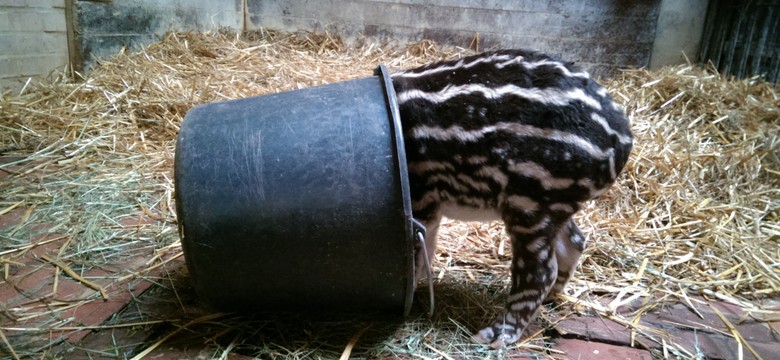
{"x":697,"y":210}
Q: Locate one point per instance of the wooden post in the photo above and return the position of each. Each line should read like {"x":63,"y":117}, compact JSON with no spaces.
{"x":75,"y":62}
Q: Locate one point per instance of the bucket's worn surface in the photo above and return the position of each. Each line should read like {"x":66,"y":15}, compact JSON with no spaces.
{"x":295,"y":201}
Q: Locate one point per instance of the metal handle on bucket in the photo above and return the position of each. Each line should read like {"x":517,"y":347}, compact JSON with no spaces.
{"x":419,"y":233}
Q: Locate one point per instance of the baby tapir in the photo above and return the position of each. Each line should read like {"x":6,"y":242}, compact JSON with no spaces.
{"x":518,"y":136}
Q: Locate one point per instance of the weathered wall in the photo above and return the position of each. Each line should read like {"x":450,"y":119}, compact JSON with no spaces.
{"x":33,"y":40}
{"x":104,"y":27}
{"x":679,"y":29}
{"x":600,"y":34}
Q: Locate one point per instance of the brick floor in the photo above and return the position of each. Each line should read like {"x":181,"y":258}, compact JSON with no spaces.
{"x":595,"y":329}
{"x":685,"y":330}
{"x":28,"y":298}
{"x":32,"y":303}
{"x":585,"y":337}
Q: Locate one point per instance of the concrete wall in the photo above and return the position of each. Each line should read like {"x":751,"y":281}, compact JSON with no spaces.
{"x":603,"y":35}
{"x":34,"y":34}
{"x":679,"y":30}
{"x":104,"y":27}
{"x":33,"y":40}
{"x":600,"y":34}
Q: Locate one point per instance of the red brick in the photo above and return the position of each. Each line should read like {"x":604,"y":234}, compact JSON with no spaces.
{"x":7,"y":293}
{"x":186,"y":354}
{"x":31,"y":284}
{"x":757,"y":332}
{"x":733,"y":312}
{"x":594,"y":328}
{"x":705,"y":335}
{"x":717,"y":346}
{"x":10,"y":220}
{"x":34,"y":280}
{"x":589,"y":350}
{"x":678,"y":315}
{"x":97,"y":311}
{"x":8,"y":169}
{"x":765,"y":350}
{"x":71,"y":290}
{"x":133,"y":222}
{"x":132,"y":264}
{"x":520,"y":355}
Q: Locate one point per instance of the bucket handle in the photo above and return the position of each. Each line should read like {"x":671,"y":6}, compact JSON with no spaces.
{"x":419,"y":234}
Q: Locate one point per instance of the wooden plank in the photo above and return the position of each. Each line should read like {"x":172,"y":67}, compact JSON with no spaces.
{"x":32,"y":4}
{"x":28,"y":19}
{"x":75,"y":63}
{"x":24,"y":66}
{"x":31,"y":43}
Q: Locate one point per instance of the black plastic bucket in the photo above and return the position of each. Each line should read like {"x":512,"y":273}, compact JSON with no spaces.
{"x":298,"y":201}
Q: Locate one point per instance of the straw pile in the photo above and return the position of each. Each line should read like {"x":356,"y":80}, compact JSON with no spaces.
{"x":697,"y":210}
{"x":701,"y":195}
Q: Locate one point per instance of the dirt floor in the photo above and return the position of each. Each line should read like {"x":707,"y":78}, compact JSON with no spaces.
{"x":683,"y":258}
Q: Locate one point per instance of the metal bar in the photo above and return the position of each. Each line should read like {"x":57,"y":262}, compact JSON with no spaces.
{"x":758,"y":54}
{"x":715,"y":56}
{"x":772,"y":72}
{"x":709,"y":31}
{"x":734,"y":39}
{"x":750,"y":16}
{"x":743,"y":39}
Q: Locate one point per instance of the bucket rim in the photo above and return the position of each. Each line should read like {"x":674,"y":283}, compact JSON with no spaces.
{"x":411,"y":226}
